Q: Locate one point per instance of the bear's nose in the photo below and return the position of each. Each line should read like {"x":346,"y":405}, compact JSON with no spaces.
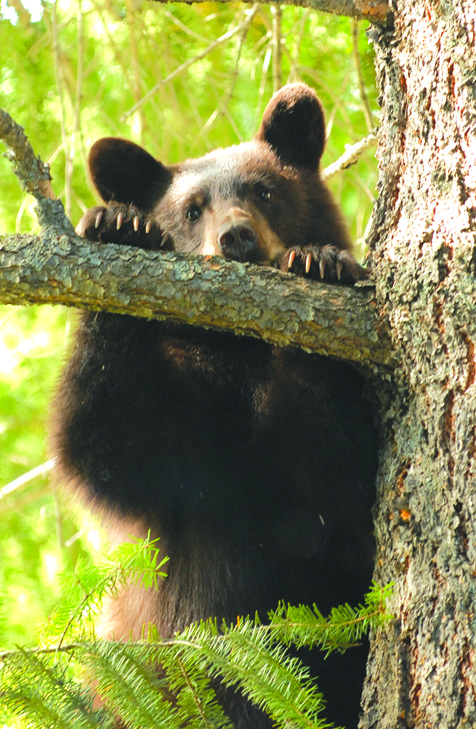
{"x":238,"y":240}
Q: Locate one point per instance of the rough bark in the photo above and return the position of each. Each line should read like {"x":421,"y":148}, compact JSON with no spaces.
{"x":375,"y":11}
{"x":281,"y":308}
{"x":422,"y":668}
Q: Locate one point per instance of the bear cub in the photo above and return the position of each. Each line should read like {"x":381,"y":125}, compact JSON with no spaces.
{"x":254,"y":464}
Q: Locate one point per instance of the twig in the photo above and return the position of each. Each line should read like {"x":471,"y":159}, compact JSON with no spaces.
{"x":276,"y":15}
{"x":185,"y":28}
{"x":298,"y":35}
{"x":60,"y":88}
{"x":358,"y":66}
{"x":23,"y":14}
{"x":134,"y":60}
{"x":213,"y":46}
{"x":76,"y":135}
{"x":34,"y":175}
{"x":27,"y":477}
{"x":19,"y":504}
{"x":222,"y":108}
{"x":5,"y":655}
{"x":350,"y":156}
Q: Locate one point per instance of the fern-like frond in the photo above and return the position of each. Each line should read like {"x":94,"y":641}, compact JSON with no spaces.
{"x":167,"y":683}
{"x":40,"y":689}
{"x":245,"y":654}
{"x":342,"y":628}
{"x":83,"y":591}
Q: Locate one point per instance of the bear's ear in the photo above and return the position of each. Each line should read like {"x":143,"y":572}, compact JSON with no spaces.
{"x":293,"y":126}
{"x":124,"y":172}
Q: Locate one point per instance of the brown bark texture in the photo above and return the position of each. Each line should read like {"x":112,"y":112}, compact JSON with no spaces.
{"x":375,"y":11}
{"x":422,"y":666}
{"x":280,"y":308}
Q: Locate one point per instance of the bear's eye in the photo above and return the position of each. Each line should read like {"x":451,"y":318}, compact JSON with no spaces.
{"x":193,"y":213}
{"x":264,"y":193}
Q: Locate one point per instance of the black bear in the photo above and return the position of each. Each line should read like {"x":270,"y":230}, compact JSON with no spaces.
{"x":255,"y":465}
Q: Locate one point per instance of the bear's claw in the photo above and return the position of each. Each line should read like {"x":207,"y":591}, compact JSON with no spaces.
{"x":327,"y":263}
{"x":122,"y":224}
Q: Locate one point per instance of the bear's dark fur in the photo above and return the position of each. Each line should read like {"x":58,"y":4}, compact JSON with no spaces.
{"x":254,"y":464}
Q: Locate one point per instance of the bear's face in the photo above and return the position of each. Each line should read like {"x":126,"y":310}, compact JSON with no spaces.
{"x":261,"y":201}
{"x":240,"y":202}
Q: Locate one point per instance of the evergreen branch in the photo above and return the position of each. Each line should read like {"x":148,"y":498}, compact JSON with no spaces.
{"x":43,"y":693}
{"x":245,"y":655}
{"x":195,"y":697}
{"x":129,"y":685}
{"x":84,"y":590}
{"x":274,"y":681}
{"x":40,"y":686}
{"x":343,"y":628}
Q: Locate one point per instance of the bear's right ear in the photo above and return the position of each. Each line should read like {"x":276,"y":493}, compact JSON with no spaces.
{"x":293,"y":126}
{"x":124,"y":172}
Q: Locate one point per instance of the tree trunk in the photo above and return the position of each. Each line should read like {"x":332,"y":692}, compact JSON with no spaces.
{"x":421,"y":670}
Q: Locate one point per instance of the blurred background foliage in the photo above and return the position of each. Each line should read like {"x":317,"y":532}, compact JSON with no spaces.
{"x":72,"y":71}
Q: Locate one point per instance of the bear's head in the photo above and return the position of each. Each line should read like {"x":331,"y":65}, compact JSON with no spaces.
{"x":250,"y":202}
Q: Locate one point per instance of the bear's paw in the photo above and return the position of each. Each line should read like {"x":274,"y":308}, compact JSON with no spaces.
{"x":121,"y":224}
{"x":325,"y":263}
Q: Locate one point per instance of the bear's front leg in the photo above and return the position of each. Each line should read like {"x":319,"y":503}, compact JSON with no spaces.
{"x":327,"y":263}
{"x":121,"y":224}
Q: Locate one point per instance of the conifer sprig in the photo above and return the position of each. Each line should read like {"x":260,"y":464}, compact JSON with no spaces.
{"x":344,"y":627}
{"x":131,"y":563}
{"x":169,"y":683}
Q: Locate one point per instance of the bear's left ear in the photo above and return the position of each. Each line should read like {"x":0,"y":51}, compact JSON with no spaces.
{"x":293,"y":126}
{"x":124,"y":172}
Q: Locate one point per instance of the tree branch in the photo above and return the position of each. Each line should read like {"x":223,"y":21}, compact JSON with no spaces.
{"x":210,"y":292}
{"x":350,"y":156}
{"x":58,"y":267}
{"x":34,"y":175}
{"x":375,"y":11}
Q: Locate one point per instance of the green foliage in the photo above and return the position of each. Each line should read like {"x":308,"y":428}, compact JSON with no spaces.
{"x":75,"y":73}
{"x":31,"y":346}
{"x":306,"y":626}
{"x":85,"y":587}
{"x":42,"y":687}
